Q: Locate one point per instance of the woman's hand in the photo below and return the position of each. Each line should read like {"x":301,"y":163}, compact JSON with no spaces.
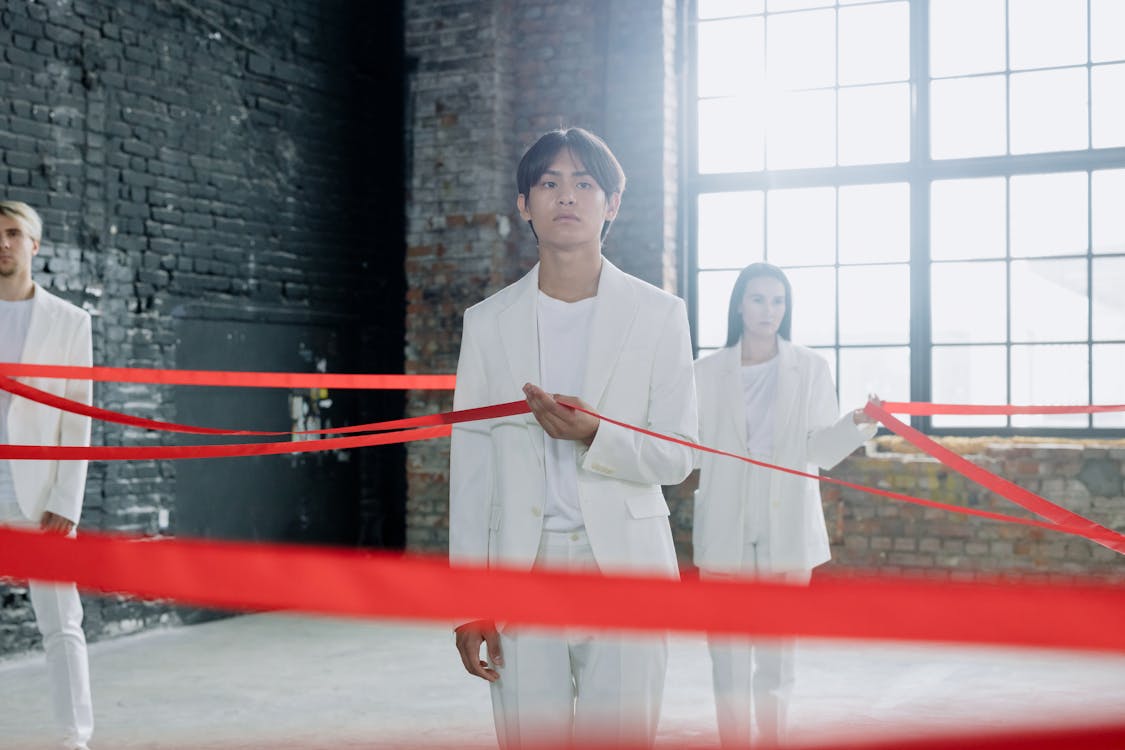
{"x":861,"y":417}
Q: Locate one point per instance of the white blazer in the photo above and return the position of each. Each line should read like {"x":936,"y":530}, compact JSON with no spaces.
{"x":638,"y":370}
{"x":59,"y":334}
{"x":808,"y":432}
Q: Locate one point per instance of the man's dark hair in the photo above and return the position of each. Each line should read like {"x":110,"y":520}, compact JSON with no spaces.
{"x":585,"y":147}
{"x":734,"y":312}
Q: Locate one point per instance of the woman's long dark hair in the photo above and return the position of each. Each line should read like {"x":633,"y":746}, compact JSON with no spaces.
{"x":734,"y":312}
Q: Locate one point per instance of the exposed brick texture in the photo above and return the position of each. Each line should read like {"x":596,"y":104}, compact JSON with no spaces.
{"x":212,"y":160}
{"x":873,"y":533}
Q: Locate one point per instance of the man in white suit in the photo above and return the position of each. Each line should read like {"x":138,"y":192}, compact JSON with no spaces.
{"x":38,"y":327}
{"x":558,"y":488}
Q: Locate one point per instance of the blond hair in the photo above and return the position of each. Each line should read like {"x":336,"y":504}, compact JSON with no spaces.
{"x":27,"y":217}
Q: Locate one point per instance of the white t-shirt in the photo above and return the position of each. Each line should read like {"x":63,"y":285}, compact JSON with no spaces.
{"x":759,"y":391}
{"x":15,"y":320}
{"x":564,"y":335}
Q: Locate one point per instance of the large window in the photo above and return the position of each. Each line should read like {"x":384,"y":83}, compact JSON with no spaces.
{"x":943,"y":181}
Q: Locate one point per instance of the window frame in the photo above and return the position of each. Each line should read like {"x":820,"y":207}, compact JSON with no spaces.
{"x":919,"y":173}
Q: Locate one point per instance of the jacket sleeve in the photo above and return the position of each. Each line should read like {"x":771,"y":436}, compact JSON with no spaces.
{"x":697,"y":456}
{"x":832,"y":437}
{"x":470,"y":459}
{"x":65,"y":497}
{"x":621,"y":453}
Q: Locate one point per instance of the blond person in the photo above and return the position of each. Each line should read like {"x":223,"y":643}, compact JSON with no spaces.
{"x":38,"y":327}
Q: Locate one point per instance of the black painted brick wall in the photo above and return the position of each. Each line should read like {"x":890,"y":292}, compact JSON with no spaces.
{"x":210,"y":159}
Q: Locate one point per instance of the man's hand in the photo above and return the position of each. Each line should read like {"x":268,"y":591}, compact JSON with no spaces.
{"x":53,"y":523}
{"x":469,"y":637}
{"x":557,"y":419}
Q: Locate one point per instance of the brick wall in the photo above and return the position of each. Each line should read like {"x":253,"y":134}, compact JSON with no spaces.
{"x":869,"y":532}
{"x":210,"y":160}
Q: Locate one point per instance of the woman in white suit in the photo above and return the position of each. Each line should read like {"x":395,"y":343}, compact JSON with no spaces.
{"x":774,"y":401}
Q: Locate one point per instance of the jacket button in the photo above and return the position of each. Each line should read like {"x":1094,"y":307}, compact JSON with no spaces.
{"x":536,"y":512}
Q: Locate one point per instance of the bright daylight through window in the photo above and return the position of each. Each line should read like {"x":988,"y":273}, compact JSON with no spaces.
{"x":942,"y":180}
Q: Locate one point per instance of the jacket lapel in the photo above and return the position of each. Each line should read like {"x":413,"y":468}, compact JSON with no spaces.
{"x":519,"y":331}
{"x":519,"y":335}
{"x":614,"y":311}
{"x":788,"y":382}
{"x":731,"y":398}
{"x":38,"y":331}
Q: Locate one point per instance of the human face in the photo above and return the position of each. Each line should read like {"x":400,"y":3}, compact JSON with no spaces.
{"x":566,"y":206}
{"x":16,"y":249}
{"x":763,"y":307}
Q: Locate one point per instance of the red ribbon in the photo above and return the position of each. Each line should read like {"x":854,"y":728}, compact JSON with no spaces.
{"x":162,"y":452}
{"x":229,"y":378}
{"x":427,"y":382}
{"x":1060,"y":519}
{"x":1063,"y":520}
{"x":105,"y":415}
{"x":1033,"y":738}
{"x":357,"y":583}
{"x":1018,"y":495}
{"x":364,"y":584}
{"x":926,"y":410}
{"x":1102,"y":735}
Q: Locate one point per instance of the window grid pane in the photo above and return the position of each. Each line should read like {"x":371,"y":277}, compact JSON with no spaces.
{"x":1051,"y":374}
{"x":1023,"y":263}
{"x":968,"y":302}
{"x":970,"y":375}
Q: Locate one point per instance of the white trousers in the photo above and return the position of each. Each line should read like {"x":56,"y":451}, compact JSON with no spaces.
{"x":58,"y":615}
{"x":574,"y":686}
{"x":759,"y":673}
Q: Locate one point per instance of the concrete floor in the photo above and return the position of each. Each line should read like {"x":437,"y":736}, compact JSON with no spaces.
{"x":274,"y":680}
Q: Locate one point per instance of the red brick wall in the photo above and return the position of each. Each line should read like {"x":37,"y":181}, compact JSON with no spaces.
{"x":870,"y":532}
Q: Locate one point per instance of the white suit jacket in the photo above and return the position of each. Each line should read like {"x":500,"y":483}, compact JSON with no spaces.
{"x":59,"y":334}
{"x":808,"y":432}
{"x":639,"y":370}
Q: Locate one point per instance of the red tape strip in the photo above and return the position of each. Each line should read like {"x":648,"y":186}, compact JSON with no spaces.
{"x":1009,"y":490}
{"x":1044,"y":738}
{"x":426,"y":382}
{"x":105,"y":415}
{"x":1083,"y":528}
{"x":926,"y":410}
{"x":229,"y":378}
{"x":365,"y":584}
{"x":1079,"y":527}
{"x":164,"y":452}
